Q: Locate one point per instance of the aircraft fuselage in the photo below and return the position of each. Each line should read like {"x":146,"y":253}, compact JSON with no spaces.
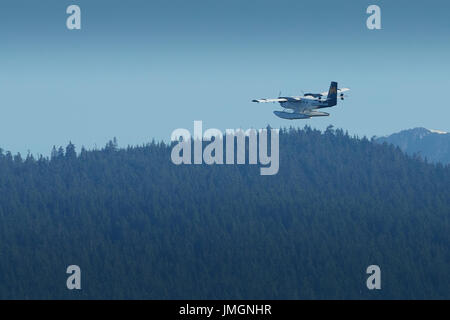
{"x":299,"y":104}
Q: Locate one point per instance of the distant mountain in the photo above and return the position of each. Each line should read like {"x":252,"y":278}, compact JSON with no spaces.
{"x":431,"y":144}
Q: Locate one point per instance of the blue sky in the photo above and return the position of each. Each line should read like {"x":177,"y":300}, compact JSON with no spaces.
{"x":140,"y":69}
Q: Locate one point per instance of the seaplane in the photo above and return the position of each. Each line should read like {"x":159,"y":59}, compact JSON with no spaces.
{"x":306,"y":106}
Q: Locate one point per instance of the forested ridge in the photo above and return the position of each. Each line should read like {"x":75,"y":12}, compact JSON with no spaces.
{"x":141,"y":227}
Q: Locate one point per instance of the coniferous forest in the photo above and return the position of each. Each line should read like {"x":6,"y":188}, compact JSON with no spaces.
{"x":141,"y":227}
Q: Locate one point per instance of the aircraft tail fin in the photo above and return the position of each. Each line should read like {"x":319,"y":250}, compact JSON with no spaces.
{"x":332,"y":94}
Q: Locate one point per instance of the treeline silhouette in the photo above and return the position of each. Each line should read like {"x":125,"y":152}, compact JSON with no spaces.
{"x":141,"y":227}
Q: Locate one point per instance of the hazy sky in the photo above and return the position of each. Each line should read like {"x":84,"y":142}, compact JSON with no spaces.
{"x":137,"y":70}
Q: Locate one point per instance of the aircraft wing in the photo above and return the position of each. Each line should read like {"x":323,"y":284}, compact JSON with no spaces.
{"x":270,"y":100}
{"x":339,"y":91}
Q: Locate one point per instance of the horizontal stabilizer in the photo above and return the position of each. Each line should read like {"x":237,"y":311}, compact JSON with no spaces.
{"x":339,"y":91}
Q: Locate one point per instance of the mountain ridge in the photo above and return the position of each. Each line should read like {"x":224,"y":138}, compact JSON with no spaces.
{"x":430,"y":144}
